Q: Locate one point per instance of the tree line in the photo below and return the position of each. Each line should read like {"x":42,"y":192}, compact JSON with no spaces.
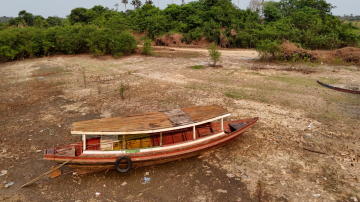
{"x":100,"y":30}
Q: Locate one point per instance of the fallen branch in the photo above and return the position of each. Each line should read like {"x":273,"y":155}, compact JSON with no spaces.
{"x":48,"y":172}
{"x":319,"y":152}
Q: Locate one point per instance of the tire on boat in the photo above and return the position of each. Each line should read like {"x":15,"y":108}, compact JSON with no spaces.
{"x":117,"y":167}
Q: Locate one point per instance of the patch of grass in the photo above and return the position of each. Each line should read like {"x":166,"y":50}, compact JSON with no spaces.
{"x":232,"y":72}
{"x":296,"y":81}
{"x":196,"y":86}
{"x":197,"y":67}
{"x":231,"y":95}
{"x":221,"y":80}
{"x":257,"y":74}
{"x":84,"y":75}
{"x":91,"y":67}
{"x":251,"y":95}
{"x":174,"y":54}
{"x":329,"y":80}
{"x":122,"y":90}
{"x":46,"y":70}
{"x":353,"y":69}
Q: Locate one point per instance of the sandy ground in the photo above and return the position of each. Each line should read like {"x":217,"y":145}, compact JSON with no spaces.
{"x":235,"y":53}
{"x":305,"y":146}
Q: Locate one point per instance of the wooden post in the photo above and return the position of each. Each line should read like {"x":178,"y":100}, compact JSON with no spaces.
{"x":123,"y":142}
{"x":84,"y":142}
{"x":194,"y":133}
{"x":222,"y":124}
{"x":50,"y":171}
{"x":160,"y":139}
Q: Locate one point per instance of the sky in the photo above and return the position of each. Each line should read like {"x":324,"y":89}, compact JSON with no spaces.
{"x":63,"y":8}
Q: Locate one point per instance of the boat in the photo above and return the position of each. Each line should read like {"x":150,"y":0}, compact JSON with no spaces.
{"x":355,"y":90}
{"x":147,"y":139}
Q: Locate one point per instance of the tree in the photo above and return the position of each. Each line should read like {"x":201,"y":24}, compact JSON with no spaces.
{"x":254,"y":5}
{"x":98,"y":9}
{"x":214,"y":54}
{"x":287,"y":7}
{"x":54,"y":21}
{"x":272,"y":13}
{"x":124,"y":2}
{"x":116,"y":6}
{"x":149,"y":2}
{"x":38,"y":21}
{"x":27,"y":17}
{"x":133,"y":2}
{"x":78,"y":15}
{"x":136,"y":3}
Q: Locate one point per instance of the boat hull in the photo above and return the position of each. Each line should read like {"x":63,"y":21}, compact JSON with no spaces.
{"x":339,"y":89}
{"x":95,"y":162}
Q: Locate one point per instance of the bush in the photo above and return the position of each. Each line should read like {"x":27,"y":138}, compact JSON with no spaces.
{"x":268,"y":48}
{"x":214,"y":54}
{"x":18,"y":43}
{"x":147,"y":49}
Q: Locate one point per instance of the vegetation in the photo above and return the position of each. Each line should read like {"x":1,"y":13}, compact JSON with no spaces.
{"x":122,"y":90}
{"x":99,"y":31}
{"x":4,"y":19}
{"x":197,"y":67}
{"x":214,"y":54}
{"x":147,"y":49}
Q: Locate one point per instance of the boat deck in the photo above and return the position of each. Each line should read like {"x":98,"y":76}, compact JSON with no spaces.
{"x":152,"y":122}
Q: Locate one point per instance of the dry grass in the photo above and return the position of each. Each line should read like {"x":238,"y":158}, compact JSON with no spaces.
{"x":276,"y":163}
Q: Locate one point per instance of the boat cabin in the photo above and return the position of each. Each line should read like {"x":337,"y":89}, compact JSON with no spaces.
{"x":149,"y":132}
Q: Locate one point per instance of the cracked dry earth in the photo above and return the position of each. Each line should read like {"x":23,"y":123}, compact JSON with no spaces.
{"x":305,"y":146}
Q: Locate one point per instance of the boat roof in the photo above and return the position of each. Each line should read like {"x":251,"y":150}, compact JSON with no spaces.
{"x":151,"y":122}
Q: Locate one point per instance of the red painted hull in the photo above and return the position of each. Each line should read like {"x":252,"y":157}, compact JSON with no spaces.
{"x":107,"y":161}
{"x":339,"y":89}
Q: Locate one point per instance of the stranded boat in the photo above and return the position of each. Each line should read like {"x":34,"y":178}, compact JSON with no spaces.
{"x":147,"y":139}
{"x":355,"y":90}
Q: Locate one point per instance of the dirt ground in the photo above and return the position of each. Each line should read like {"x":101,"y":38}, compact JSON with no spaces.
{"x":305,"y":146}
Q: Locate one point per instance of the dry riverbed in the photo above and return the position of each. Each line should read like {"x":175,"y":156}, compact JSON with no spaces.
{"x":305,"y":146}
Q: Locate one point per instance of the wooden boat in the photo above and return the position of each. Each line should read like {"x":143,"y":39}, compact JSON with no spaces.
{"x":339,"y":89}
{"x":147,"y":139}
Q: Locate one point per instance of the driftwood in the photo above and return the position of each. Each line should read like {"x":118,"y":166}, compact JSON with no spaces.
{"x":48,"y":172}
{"x":307,"y":149}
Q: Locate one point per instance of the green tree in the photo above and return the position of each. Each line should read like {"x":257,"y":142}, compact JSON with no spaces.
{"x":78,"y":15}
{"x":271,"y":13}
{"x":54,"y":21}
{"x":98,"y":9}
{"x":147,"y":49}
{"x":214,"y":54}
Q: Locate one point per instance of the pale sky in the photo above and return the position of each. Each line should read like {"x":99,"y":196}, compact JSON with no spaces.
{"x":63,"y":7}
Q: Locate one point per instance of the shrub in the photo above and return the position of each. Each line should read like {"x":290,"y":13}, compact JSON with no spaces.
{"x":147,"y":49}
{"x":214,"y":54}
{"x":26,"y":42}
{"x":268,"y":48}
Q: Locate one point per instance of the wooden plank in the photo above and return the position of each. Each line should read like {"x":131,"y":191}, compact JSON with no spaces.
{"x":48,"y":172}
{"x":150,"y":131}
{"x":148,"y":122}
{"x":178,"y":117}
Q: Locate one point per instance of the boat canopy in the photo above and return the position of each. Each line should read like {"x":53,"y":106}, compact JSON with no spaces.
{"x":151,"y":122}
